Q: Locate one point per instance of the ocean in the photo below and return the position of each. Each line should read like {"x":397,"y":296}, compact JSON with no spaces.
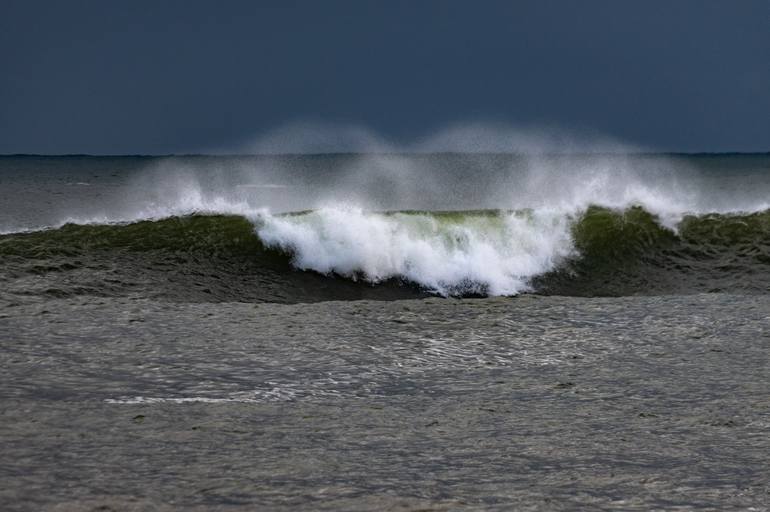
{"x":385,"y":331}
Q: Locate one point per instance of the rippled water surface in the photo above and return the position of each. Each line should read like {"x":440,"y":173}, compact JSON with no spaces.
{"x":533,"y":403}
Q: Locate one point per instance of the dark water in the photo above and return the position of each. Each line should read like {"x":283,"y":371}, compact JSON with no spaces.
{"x":221,"y":258}
{"x":385,"y":332}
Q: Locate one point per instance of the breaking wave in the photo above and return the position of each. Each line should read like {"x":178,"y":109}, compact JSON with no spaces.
{"x":484,"y":252}
{"x":294,"y":228}
{"x":346,"y":253}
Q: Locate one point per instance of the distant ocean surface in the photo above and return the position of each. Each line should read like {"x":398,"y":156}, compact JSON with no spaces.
{"x":306,"y":228}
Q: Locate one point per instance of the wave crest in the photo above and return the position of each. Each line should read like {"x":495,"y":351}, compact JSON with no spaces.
{"x":388,"y":255}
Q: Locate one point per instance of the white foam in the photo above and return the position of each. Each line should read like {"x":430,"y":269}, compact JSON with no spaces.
{"x":496,"y":254}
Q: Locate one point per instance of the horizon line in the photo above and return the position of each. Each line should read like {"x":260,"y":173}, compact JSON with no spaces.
{"x":379,"y":153}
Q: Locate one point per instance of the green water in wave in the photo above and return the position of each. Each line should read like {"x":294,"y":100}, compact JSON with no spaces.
{"x":219,"y":257}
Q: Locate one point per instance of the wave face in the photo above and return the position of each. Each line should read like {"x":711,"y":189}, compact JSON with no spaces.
{"x":294,"y":228}
{"x":344,"y":254}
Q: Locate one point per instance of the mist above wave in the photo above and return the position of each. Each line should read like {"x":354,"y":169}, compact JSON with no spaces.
{"x":463,"y":167}
{"x":552,"y":177}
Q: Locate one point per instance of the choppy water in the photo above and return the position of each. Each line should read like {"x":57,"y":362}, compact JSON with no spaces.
{"x":581,"y":332}
{"x":534,"y":403}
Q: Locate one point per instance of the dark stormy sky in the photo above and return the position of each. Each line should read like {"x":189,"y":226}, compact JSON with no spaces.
{"x":122,"y":77}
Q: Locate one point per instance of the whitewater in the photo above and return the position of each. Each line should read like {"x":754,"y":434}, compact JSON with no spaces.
{"x":489,"y":254}
{"x":453,"y":224}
